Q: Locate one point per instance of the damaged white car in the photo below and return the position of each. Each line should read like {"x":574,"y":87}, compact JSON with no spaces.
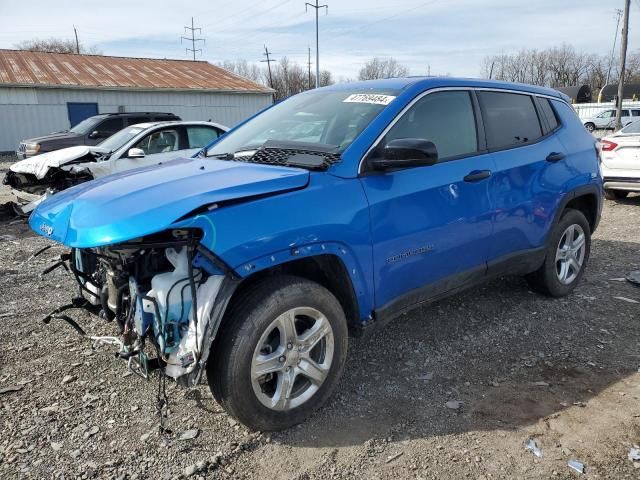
{"x":33,"y":179}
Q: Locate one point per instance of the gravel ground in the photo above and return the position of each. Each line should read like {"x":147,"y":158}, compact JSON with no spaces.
{"x":563,"y":372}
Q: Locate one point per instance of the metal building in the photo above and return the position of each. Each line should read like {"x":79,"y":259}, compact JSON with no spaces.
{"x":42,"y":92}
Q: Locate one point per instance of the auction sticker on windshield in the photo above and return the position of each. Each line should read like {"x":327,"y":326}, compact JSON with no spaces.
{"x":376,"y":99}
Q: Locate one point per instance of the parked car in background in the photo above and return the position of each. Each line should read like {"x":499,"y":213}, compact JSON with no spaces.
{"x":136,"y":146}
{"x":90,"y":131}
{"x":620,"y":154}
{"x":606,"y":120}
{"x":252,"y":263}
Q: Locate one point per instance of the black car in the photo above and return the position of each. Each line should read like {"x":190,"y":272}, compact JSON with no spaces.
{"x":90,"y":131}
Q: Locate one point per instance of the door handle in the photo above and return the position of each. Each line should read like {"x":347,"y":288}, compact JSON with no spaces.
{"x":477,"y":175}
{"x":555,"y":156}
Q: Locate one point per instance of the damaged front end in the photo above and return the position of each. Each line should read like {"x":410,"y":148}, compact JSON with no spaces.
{"x":36,"y":178}
{"x":30,"y":191}
{"x":166,"y":292}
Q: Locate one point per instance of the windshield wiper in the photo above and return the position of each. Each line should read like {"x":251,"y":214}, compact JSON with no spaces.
{"x":222,"y":156}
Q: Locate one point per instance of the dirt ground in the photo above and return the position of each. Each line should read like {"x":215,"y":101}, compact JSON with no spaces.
{"x":562,"y":372}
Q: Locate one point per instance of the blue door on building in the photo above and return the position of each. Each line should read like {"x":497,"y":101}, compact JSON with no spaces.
{"x":80,"y":111}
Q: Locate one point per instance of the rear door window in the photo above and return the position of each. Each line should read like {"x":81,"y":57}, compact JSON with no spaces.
{"x":199,"y":136}
{"x":110,"y":126}
{"x":625,"y":113}
{"x":444,"y":118}
{"x":510,"y":119}
{"x":136,"y":120}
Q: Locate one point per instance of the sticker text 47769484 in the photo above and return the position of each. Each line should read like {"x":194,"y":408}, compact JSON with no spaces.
{"x":374,"y":98}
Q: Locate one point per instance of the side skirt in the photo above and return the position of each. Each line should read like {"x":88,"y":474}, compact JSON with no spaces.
{"x":520,"y":263}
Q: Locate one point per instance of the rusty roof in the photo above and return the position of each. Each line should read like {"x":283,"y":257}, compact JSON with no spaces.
{"x":64,"y":70}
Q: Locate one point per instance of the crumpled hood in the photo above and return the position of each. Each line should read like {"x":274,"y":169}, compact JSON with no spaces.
{"x":39,"y":165}
{"x":147,"y":200}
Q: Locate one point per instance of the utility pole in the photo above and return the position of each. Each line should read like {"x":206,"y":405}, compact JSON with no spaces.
{"x":193,"y":40}
{"x":623,"y":63}
{"x":77,"y":43}
{"x":613,"y":49}
{"x":268,"y":60}
{"x":317,"y":7}
{"x":309,"y":67}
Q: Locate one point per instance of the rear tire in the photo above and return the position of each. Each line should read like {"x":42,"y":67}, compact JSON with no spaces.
{"x":615,"y":194}
{"x":567,"y":253}
{"x":272,"y":329}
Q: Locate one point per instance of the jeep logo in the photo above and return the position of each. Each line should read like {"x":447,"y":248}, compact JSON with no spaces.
{"x":46,"y":229}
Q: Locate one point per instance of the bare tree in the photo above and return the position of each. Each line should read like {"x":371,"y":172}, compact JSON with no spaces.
{"x":560,"y":66}
{"x":289,"y":77}
{"x":382,"y":68}
{"x":55,"y":45}
{"x":244,"y":69}
{"x":326,"y":78}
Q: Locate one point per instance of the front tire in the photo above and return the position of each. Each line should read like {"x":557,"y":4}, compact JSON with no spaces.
{"x":567,"y":253}
{"x":615,"y":194}
{"x":590,"y":127}
{"x":280,"y":353}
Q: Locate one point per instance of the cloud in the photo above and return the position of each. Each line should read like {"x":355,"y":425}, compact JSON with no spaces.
{"x":445,"y":36}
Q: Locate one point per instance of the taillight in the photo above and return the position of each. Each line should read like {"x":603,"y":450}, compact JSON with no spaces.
{"x":607,"y":145}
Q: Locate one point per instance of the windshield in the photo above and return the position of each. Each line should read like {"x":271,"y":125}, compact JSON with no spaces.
{"x":118,"y":139}
{"x":86,"y":126}
{"x":326,"y":119}
{"x":631,"y":129}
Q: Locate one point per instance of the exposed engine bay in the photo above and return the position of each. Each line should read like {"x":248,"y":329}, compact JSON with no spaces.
{"x":56,"y":179}
{"x":161,"y":292}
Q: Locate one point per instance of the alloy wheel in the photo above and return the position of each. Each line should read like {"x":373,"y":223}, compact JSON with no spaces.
{"x":292,"y":359}
{"x":570,"y":254}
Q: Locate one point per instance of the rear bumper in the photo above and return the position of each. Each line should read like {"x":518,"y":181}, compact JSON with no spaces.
{"x":630,"y":184}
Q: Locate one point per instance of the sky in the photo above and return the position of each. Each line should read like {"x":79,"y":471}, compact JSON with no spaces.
{"x":435,"y":36}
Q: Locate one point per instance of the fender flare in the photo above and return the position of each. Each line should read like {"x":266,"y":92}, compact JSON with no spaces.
{"x":342,"y":252}
{"x":583,"y":190}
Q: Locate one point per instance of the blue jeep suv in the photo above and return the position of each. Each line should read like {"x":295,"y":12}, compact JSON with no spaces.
{"x":331,"y":212}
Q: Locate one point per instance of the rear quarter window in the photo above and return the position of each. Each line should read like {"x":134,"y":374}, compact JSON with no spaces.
{"x":510,"y":119}
{"x":549,"y":114}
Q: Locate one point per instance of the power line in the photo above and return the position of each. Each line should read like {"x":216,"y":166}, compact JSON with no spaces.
{"x":317,"y":7}
{"x":268,"y":60}
{"x":613,"y":49}
{"x":227,"y":25}
{"x":193,"y":40}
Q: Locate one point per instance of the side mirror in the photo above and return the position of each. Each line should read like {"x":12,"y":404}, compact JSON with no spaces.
{"x":94,"y":134}
{"x":406,"y":153}
{"x":135,"y":153}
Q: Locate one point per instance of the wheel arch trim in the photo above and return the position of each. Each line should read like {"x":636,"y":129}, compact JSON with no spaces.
{"x":590,"y":190}
{"x":354,"y":272}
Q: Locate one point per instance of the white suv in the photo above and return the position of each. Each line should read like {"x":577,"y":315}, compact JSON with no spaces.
{"x":620,"y":155}
{"x":606,"y":120}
